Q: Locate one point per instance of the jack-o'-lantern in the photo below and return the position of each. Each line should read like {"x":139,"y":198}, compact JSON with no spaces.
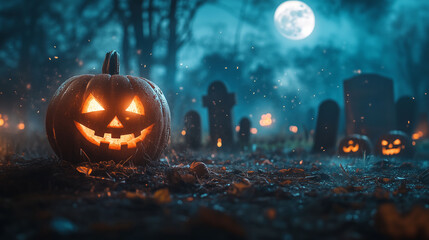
{"x":395,"y":144}
{"x":355,"y":145}
{"x":108,"y":117}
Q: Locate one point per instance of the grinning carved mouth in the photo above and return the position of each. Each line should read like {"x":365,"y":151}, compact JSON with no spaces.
{"x":123,"y":142}
{"x":348,"y":149}
{"x":391,"y":151}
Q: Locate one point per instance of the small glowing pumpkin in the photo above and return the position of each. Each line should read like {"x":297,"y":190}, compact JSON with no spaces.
{"x":395,"y":144}
{"x":355,"y":145}
{"x":108,"y":117}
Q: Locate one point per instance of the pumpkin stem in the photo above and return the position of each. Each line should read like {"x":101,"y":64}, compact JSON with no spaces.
{"x":111,"y":63}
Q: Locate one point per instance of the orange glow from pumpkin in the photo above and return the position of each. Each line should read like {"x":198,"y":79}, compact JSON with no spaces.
{"x":253,"y":130}
{"x":352,"y":147}
{"x":127,"y":140}
{"x":219,"y":142}
{"x":389,"y":149}
{"x":21,"y":126}
{"x":237,"y":128}
{"x":293,"y":129}
{"x":91,"y":105}
{"x":115,"y":123}
{"x":136,"y":106}
{"x":417,"y":135}
{"x":183,"y":132}
{"x":1,"y":122}
{"x":266,"y":120}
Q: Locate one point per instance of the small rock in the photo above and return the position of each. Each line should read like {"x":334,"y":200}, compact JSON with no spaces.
{"x":200,"y":169}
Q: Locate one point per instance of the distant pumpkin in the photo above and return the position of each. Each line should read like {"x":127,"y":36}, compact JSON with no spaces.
{"x":108,"y":117}
{"x":395,"y":144}
{"x":355,"y":145}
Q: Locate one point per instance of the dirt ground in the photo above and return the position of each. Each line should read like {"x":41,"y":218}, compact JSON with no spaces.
{"x":258,"y":195}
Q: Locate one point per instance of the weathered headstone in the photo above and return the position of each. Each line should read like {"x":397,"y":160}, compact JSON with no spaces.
{"x":406,"y":113}
{"x":325,"y":137}
{"x":219,"y":103}
{"x":193,"y":129}
{"x":369,"y":105}
{"x":244,"y":132}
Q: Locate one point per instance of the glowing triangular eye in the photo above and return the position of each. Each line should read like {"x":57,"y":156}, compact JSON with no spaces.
{"x":397,"y":142}
{"x":136,"y":106}
{"x":384,"y":143}
{"x":91,"y":105}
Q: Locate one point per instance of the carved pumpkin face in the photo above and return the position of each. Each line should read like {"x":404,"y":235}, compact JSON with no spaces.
{"x":108,"y":117}
{"x":395,"y":144}
{"x":121,"y":132}
{"x":354,"y":146}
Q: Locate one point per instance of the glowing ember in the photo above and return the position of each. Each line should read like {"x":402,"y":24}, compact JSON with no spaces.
{"x":417,"y":135}
{"x":237,"y":128}
{"x":219,"y":142}
{"x":266,"y":120}
{"x":183,"y":132}
{"x":293,"y":129}
{"x":21,"y":126}
{"x":253,"y":131}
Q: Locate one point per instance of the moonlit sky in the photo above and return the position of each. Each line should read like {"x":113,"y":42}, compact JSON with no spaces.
{"x":360,"y":32}
{"x":388,"y":37}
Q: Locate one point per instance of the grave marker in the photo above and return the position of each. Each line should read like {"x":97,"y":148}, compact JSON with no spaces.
{"x":219,"y":103}
{"x":369,"y":105}
{"x":325,"y":137}
{"x":192,"y":129}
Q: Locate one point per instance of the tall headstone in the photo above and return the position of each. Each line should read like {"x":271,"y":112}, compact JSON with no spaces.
{"x":219,"y":103}
{"x":244,"y":132}
{"x":369,"y":105}
{"x":406,"y":113}
{"x":325,"y":138}
{"x":193,"y":129}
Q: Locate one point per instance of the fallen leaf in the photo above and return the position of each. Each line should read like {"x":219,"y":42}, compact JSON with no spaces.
{"x":85,"y":170}
{"x":162,"y":196}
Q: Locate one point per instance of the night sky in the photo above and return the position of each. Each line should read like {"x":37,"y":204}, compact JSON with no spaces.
{"x":45,"y":42}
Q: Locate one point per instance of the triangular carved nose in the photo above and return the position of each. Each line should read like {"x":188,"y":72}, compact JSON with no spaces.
{"x":115,"y":123}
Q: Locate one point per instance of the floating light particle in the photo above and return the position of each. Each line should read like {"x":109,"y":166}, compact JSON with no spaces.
{"x":265,"y":120}
{"x":21,"y":126}
{"x":253,"y":130}
{"x":219,"y":142}
{"x":293,"y":129}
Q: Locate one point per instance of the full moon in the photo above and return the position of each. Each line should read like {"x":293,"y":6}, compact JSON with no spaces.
{"x":294,"y":20}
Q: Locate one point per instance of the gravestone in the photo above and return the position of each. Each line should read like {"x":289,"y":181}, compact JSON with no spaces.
{"x":406,"y":113}
{"x":192,"y":129}
{"x":325,"y":137}
{"x":369,"y":105}
{"x":219,"y":103}
{"x":244,"y":132}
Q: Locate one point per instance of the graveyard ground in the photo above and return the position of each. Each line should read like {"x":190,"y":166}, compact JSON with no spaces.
{"x":259,"y":195}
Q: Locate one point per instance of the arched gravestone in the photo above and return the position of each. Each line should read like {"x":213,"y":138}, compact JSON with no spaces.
{"x":325,"y":137}
{"x":244,"y":132}
{"x":369,"y":105}
{"x":193,"y":129}
{"x":219,"y":103}
{"x":406,"y":113}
